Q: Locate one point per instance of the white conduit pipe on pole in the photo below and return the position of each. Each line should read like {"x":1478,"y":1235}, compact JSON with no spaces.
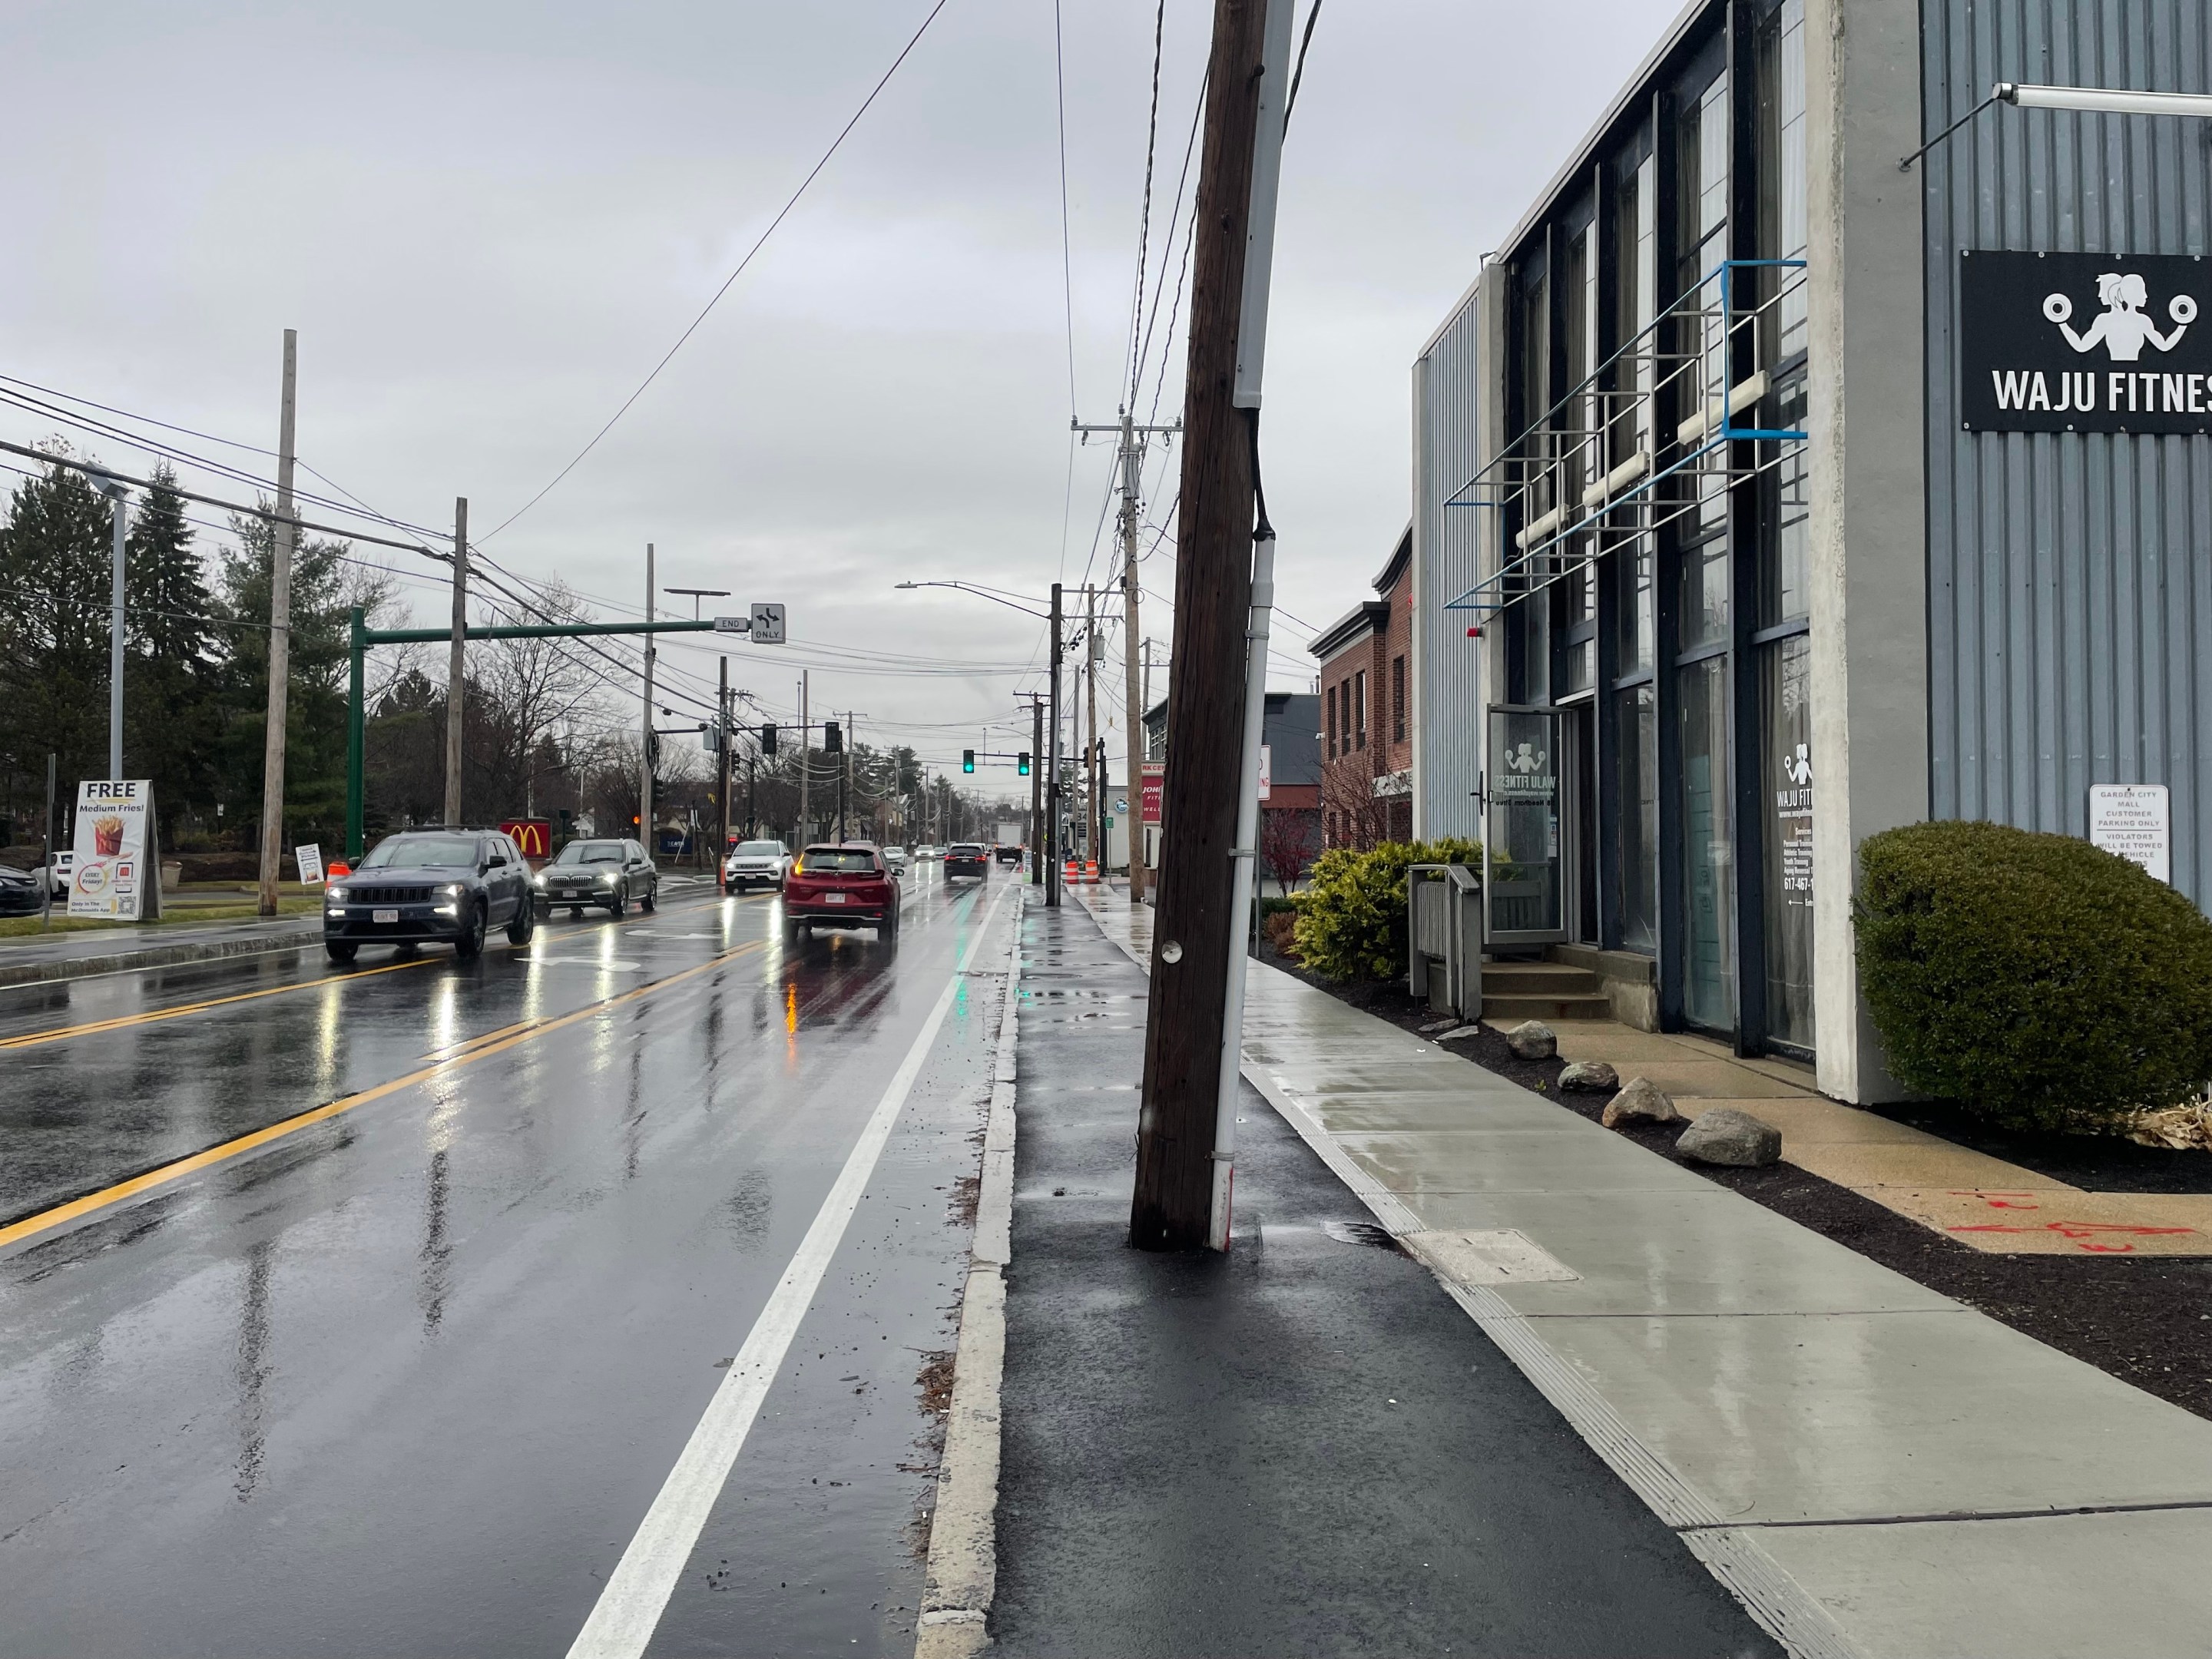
{"x":1245,"y":859}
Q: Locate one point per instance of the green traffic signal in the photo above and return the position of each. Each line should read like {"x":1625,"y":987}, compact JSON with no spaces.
{"x":1022,"y":762}
{"x":967,"y":760}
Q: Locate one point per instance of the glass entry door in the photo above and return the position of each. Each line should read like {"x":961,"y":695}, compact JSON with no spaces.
{"x":1522,"y":893}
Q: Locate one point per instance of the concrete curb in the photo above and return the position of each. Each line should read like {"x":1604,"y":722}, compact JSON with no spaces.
{"x":160,"y":955}
{"x":963,"y":1572}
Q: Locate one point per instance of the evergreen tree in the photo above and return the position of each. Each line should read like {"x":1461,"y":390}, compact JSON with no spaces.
{"x":315,"y":703}
{"x":54,"y":574}
{"x":170,"y":685}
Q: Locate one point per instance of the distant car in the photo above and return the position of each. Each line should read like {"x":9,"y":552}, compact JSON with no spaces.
{"x":895,"y":857}
{"x":967,"y":858}
{"x":841,"y":884}
{"x":22,"y":893}
{"x":451,"y":884}
{"x":755,"y":864}
{"x":1009,"y":852}
{"x":59,"y":873}
{"x":613,"y":873}
{"x":924,"y":853}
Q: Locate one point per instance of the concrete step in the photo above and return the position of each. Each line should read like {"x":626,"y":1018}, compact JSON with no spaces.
{"x":1549,"y":979}
{"x":1509,"y":1009}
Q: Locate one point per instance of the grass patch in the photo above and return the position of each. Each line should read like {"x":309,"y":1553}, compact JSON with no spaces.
{"x":27,"y":927}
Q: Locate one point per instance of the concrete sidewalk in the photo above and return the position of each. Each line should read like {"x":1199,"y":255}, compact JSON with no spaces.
{"x":1302,"y":1449}
{"x":1873,"y":1468}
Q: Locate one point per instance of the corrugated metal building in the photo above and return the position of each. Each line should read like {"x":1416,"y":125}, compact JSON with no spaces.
{"x":1799,"y":494}
{"x":1447,"y":661}
{"x":2069,"y":574}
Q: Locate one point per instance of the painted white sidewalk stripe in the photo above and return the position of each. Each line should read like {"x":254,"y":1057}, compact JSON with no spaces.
{"x":629,"y":1608}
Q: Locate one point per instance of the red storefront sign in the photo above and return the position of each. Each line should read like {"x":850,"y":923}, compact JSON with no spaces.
{"x":533,"y":837}
{"x":1154,"y":780}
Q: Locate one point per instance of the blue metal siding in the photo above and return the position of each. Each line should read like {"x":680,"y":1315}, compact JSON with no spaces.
{"x":1449,"y":754}
{"x":2069,"y":576}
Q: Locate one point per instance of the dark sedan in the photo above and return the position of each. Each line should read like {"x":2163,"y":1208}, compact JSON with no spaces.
{"x":20,"y":893}
{"x":430,"y":884}
{"x":969,"y":859}
{"x":845,"y":885}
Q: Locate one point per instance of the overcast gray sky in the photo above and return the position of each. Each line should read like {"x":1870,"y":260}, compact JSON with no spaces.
{"x":487,"y":220}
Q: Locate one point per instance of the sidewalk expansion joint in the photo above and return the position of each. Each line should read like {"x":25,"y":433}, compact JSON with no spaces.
{"x":1940,"y":1516}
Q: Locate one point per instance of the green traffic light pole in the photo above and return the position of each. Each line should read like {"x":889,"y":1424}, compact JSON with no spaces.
{"x":364,"y":636}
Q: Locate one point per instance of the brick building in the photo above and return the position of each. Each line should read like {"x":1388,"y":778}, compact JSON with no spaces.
{"x":1367,"y":713}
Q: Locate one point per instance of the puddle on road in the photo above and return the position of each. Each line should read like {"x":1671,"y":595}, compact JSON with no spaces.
{"x":1360,"y":1232}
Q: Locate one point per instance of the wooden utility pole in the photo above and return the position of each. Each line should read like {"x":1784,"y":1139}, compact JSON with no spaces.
{"x":805,"y":764}
{"x":1192,"y":929}
{"x":454,"y":668}
{"x":644,"y":836}
{"x":1036,"y":784}
{"x":282,"y":534}
{"x":1052,"y":807}
{"x":1131,"y":459}
{"x":1091,"y":816}
{"x":722,"y":752}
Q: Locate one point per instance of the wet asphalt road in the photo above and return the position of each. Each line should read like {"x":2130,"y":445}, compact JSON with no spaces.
{"x":405,"y":1380}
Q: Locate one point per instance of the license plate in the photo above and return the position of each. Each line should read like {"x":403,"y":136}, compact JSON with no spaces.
{"x":833,"y":898}
{"x":384,"y":915}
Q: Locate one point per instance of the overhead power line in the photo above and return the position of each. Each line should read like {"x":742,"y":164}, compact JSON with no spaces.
{"x":759,"y":242}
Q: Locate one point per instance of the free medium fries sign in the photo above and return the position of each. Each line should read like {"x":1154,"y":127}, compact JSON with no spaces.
{"x":111,"y":873}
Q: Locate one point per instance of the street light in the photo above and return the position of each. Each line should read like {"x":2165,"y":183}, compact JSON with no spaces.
{"x":2088,"y":100}
{"x":697,"y":594}
{"x":118,"y":499}
{"x":1049,"y":852}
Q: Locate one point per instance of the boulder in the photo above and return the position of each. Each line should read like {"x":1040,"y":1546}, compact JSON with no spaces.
{"x":1440,"y":1025}
{"x":1461,"y":1033}
{"x":1725,"y":1135}
{"x":1592,"y":1074}
{"x":1532,"y":1039}
{"x":1640,"y":1100}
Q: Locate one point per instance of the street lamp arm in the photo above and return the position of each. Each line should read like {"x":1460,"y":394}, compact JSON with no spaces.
{"x":984,"y":594}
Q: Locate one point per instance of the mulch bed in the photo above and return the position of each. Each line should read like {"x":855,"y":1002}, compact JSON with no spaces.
{"x":2146,"y":1320}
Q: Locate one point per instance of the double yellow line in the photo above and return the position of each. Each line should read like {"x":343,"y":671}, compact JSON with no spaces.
{"x":154,"y":1016}
{"x":464,"y":1053}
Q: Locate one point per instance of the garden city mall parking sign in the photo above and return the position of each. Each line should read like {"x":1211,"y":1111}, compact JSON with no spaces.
{"x":2084,"y":342}
{"x":110,"y":874}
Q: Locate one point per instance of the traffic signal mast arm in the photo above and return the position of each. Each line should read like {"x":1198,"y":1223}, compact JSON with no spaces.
{"x":765,"y":625}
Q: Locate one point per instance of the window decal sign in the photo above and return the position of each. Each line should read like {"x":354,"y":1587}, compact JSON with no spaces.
{"x":2084,"y":342}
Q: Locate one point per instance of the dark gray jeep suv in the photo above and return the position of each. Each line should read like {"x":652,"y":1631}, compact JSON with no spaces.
{"x":445,"y":883}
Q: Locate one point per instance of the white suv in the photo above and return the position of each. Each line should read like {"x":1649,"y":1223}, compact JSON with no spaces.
{"x":755,"y":864}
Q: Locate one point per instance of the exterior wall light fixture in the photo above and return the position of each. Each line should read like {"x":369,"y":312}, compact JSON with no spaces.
{"x":2091,"y":100}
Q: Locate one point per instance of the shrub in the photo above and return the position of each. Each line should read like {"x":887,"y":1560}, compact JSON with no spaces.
{"x":1352,"y":918}
{"x":2038,"y":981}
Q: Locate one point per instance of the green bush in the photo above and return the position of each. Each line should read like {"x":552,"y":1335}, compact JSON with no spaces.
{"x":2038,"y":981}
{"x":1352,"y":918}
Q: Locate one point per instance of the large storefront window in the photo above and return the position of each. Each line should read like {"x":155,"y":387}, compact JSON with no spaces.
{"x":1639,"y":817}
{"x":1708,"y":846}
{"x":1786,"y":717}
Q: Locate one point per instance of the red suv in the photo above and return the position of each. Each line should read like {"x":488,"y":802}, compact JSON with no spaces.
{"x":841,"y":885}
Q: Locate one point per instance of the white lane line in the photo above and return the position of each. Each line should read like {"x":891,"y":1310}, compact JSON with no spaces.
{"x":629,"y":1608}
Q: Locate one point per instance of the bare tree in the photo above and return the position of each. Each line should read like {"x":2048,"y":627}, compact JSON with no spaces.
{"x":1290,"y":837}
{"x":523,"y":694}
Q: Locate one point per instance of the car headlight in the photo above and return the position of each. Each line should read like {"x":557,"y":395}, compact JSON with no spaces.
{"x":335,"y":895}
{"x":451,"y":890}
{"x":538,"y":880}
{"x":609,"y":877}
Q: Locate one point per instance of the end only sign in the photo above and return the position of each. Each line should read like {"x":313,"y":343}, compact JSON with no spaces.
{"x":2084,"y":342}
